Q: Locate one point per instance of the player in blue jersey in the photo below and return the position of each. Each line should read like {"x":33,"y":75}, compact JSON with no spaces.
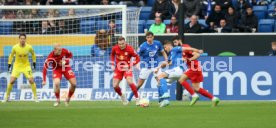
{"x":175,"y":70}
{"x":149,"y":52}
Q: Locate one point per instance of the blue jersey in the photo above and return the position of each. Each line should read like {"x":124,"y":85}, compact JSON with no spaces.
{"x":149,"y":53}
{"x":96,"y":51}
{"x":175,"y":56}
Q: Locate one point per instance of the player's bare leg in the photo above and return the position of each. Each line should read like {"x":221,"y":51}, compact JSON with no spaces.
{"x":133,"y":88}
{"x":182,"y":81}
{"x":117,"y":89}
{"x":205,"y":93}
{"x":72,"y":89}
{"x":57,"y":91}
{"x":33,"y":86}
{"x":9,"y":88}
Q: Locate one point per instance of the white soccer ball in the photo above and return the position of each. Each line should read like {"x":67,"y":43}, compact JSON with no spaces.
{"x":144,"y":102}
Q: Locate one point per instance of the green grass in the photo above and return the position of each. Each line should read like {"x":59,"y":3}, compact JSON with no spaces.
{"x":115,"y":115}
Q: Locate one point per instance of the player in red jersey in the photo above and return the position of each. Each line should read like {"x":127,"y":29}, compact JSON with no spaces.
{"x":121,"y":55}
{"x":59,"y":60}
{"x":194,"y":73}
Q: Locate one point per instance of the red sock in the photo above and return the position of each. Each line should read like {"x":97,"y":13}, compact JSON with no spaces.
{"x":187,"y":86}
{"x":118,"y":90}
{"x":134,"y":90}
{"x":205,"y":93}
{"x":70,"y":93}
{"x":57,"y":95}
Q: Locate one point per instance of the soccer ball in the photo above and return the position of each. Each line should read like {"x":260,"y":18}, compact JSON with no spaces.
{"x":144,"y":102}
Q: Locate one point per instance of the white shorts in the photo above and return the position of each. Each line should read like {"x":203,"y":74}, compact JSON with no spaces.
{"x":174,"y":74}
{"x":145,"y":72}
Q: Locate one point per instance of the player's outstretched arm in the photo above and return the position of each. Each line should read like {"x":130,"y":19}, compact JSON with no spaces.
{"x":192,"y":49}
{"x":112,"y":58}
{"x":195,"y":56}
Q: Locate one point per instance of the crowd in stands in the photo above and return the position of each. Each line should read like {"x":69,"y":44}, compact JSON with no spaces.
{"x":218,"y":15}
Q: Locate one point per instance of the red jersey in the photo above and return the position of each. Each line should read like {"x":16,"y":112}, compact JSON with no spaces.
{"x":189,"y":54}
{"x":56,"y":60}
{"x":124,"y":56}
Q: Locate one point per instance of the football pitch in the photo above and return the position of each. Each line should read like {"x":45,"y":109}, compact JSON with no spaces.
{"x":112,"y":114}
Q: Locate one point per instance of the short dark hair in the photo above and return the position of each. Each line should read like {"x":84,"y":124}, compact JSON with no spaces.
{"x":22,"y":34}
{"x":176,"y":38}
{"x":167,"y":42}
{"x":121,"y":38}
{"x":149,"y":34}
{"x":111,"y":21}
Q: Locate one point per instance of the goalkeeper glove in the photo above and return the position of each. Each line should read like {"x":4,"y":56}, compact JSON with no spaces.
{"x":34,"y":66}
{"x":9,"y":68}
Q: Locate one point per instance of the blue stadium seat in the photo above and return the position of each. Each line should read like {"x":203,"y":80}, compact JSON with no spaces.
{"x":145,"y":13}
{"x":203,"y":23}
{"x":260,"y":11}
{"x":6,"y":28}
{"x":149,"y":23}
{"x":266,"y":25}
{"x":150,"y":2}
{"x":102,"y":24}
{"x":87,"y":26}
{"x":141,"y":26}
{"x":167,"y":22}
{"x":119,"y":26}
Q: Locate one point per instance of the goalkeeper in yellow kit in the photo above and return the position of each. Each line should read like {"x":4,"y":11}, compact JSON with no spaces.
{"x":21,"y":65}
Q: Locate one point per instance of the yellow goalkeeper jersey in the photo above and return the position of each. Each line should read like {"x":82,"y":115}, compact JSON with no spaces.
{"x":22,"y":56}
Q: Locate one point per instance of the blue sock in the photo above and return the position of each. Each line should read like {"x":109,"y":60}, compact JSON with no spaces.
{"x":160,"y":93}
{"x":131,"y":95}
{"x":164,"y":86}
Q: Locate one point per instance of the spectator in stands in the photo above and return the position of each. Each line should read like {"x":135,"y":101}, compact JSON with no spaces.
{"x":273,"y":46}
{"x":102,"y":45}
{"x":215,"y":17}
{"x":175,"y":5}
{"x":105,"y":2}
{"x":51,"y":2}
{"x":10,"y":2}
{"x":223,"y":28}
{"x":263,"y":2}
{"x":272,"y":14}
{"x":19,"y":26}
{"x":129,"y":2}
{"x":61,"y":29}
{"x":161,"y":8}
{"x":112,"y":28}
{"x":9,"y":14}
{"x":2,"y":2}
{"x":173,"y":26}
{"x":34,"y":14}
{"x":206,"y":8}
{"x":73,"y":24}
{"x":241,"y":7}
{"x":252,"y":2}
{"x":231,"y":18}
{"x":30,"y":2}
{"x":192,"y":7}
{"x":249,"y":21}
{"x":70,"y":2}
{"x":193,"y":26}
{"x":45,"y":28}
{"x":225,"y":4}
{"x":158,"y":27}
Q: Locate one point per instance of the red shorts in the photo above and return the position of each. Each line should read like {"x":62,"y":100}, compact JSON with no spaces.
{"x":67,"y":73}
{"x":120,"y":74}
{"x":194,"y":76}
